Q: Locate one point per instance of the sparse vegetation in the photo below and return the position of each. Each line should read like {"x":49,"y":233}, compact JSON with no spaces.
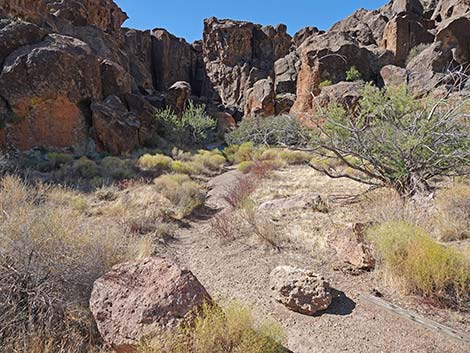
{"x":231,"y":330}
{"x":280,"y":130}
{"x":157,"y":162}
{"x":353,"y":74}
{"x":325,"y":83}
{"x":50,"y":255}
{"x":416,"y":263}
{"x":185,"y":194}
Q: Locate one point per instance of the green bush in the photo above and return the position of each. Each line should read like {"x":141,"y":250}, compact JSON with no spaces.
{"x":295,"y":157}
{"x":212,"y":160}
{"x":418,"y":264}
{"x":213,"y":330}
{"x":192,"y":128}
{"x":117,"y":168}
{"x":85,"y":168}
{"x":245,"y":167}
{"x":245,"y":152}
{"x":157,"y":162}
{"x":182,"y":167}
{"x":280,"y":130}
{"x":58,"y":159}
{"x":397,"y":140}
{"x":353,"y":74}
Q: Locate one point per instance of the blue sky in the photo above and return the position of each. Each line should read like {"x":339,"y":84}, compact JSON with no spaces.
{"x":185,"y":18}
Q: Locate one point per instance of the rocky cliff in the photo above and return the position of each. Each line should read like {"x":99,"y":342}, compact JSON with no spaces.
{"x":72,"y":78}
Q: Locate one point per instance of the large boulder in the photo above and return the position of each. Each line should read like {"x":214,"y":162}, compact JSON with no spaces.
{"x":48,"y":87}
{"x":454,"y":34}
{"x":121,"y":125}
{"x":346,"y":94}
{"x":138,"y":47}
{"x":300,"y":290}
{"x":142,"y":298}
{"x":30,"y":10}
{"x":260,"y":99}
{"x":394,"y":75}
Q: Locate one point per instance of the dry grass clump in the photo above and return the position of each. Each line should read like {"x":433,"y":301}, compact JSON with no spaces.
{"x":117,"y":168}
{"x":295,"y":157}
{"x":185,"y":194}
{"x":231,"y":330}
{"x":453,"y":220}
{"x":50,"y":255}
{"x":157,"y":162}
{"x":214,"y":161}
{"x":414,"y":262}
{"x":185,"y":167}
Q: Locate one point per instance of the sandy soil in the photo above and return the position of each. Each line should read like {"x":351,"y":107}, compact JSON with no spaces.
{"x":240,"y":270}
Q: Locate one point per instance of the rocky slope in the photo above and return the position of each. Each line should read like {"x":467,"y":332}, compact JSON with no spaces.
{"x":72,"y":78}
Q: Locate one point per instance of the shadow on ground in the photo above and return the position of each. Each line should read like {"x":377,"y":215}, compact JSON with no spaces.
{"x":341,"y":305}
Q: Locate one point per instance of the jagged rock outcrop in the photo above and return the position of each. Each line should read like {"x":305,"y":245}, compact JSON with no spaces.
{"x":178,"y":95}
{"x":142,"y":298}
{"x":328,"y":57}
{"x":445,"y":9}
{"x":237,"y":54}
{"x":394,"y":75}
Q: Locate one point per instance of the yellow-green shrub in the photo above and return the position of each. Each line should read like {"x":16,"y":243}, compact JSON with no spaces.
{"x":418,"y":264}
{"x":245,"y":152}
{"x":157,"y":162}
{"x":57,"y":159}
{"x":231,"y":330}
{"x":453,"y":221}
{"x":245,"y":167}
{"x":182,"y":167}
{"x":185,"y":194}
{"x":230,"y":152}
{"x":295,"y":157}
{"x":212,"y":160}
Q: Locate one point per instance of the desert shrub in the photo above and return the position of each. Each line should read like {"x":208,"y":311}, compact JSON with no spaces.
{"x":453,"y":220}
{"x":185,"y":194}
{"x":85,"y":168}
{"x":245,"y":152}
{"x":353,"y":74}
{"x":280,"y":130}
{"x":58,"y":159}
{"x":157,"y":162}
{"x":325,"y":83}
{"x":183,"y":167}
{"x":416,"y":263}
{"x":50,"y":255}
{"x":212,"y":160}
{"x":245,"y":167}
{"x":230,"y":330}
{"x":180,"y":155}
{"x":229,"y":152}
{"x":117,"y":168}
{"x":192,"y":128}
{"x":390,"y":136}
{"x":240,"y":190}
{"x":415,"y":51}
{"x":295,"y":157}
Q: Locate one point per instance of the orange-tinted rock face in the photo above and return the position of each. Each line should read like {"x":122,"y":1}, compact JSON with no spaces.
{"x":308,"y":83}
{"x":49,"y":122}
{"x":404,"y":32}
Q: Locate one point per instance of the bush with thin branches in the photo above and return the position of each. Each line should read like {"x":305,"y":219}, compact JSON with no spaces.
{"x":392,"y":139}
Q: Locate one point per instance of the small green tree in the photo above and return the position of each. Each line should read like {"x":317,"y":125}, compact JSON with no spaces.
{"x":192,"y":128}
{"x":353,"y":74}
{"x":395,"y":140}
